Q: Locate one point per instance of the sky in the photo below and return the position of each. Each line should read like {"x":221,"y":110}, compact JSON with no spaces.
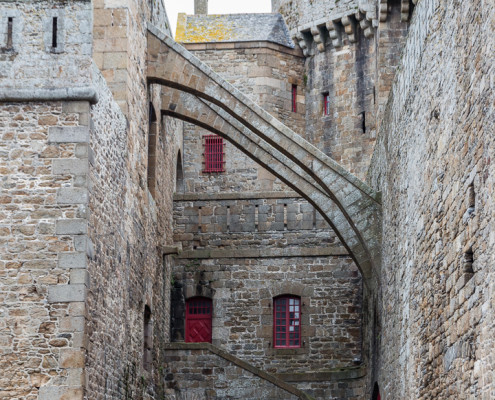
{"x":216,"y":7}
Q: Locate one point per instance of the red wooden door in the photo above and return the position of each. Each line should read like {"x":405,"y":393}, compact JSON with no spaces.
{"x":198,"y":320}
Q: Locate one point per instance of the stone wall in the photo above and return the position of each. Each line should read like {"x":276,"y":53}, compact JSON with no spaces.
{"x":130,"y":221}
{"x":42,"y":290}
{"x":202,"y":371}
{"x":266,"y":73}
{"x":82,"y":237}
{"x":242,"y":250}
{"x":66,"y":65}
{"x":347,"y":133}
{"x":433,"y":163}
{"x":302,"y":12}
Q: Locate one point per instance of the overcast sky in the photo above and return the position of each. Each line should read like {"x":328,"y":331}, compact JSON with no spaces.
{"x":216,"y":7}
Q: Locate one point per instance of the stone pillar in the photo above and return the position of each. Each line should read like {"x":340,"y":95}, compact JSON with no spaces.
{"x":200,"y":6}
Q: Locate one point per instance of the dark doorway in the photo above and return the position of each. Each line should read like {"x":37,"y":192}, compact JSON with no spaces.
{"x":198,"y":319}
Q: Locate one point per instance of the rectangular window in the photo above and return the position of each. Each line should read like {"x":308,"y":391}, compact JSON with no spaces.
{"x":326,"y":103}
{"x":287,"y":322}
{"x":10,"y":24}
{"x":213,"y":154}
{"x":54,"y":32}
{"x":294,"y":98}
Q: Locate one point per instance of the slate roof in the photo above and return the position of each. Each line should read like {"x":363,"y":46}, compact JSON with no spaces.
{"x":232,"y":28}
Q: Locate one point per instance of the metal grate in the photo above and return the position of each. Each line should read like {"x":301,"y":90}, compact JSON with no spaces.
{"x":214,"y":153}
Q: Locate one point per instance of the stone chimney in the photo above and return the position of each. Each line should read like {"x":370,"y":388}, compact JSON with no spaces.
{"x":200,"y":6}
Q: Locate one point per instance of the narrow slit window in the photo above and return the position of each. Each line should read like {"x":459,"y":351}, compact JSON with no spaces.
{"x":147,"y":339}
{"x":10,"y":26}
{"x":214,"y":154}
{"x":54,"y":32}
{"x":363,"y":122}
{"x":294,"y":98}
{"x":326,"y":103}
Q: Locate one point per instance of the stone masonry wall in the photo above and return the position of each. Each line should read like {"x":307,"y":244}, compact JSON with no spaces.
{"x":266,"y":74}
{"x":130,"y":223}
{"x":198,"y":373}
{"x":42,"y":295}
{"x":44,"y":158}
{"x":68,"y":64}
{"x":243,"y":252}
{"x":302,"y":12}
{"x":433,"y":163}
{"x":347,"y":134}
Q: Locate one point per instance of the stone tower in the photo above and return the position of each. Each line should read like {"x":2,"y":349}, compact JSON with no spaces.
{"x":200,"y":6}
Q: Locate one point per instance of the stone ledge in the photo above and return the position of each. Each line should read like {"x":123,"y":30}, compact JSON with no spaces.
{"x":260,"y":253}
{"x":325,"y":376}
{"x":68,"y":134}
{"x":87,"y":93}
{"x":240,"y":363}
{"x":242,"y":45}
{"x":234,"y":196}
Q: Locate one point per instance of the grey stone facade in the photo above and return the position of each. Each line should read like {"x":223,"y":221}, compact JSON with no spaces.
{"x":109,"y":223}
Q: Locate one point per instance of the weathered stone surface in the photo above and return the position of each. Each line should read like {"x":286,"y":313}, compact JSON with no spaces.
{"x":66,"y":293}
{"x":72,"y":134}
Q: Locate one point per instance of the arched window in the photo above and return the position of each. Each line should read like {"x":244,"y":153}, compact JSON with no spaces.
{"x":179,"y":179}
{"x":147,"y":339}
{"x":199,"y":312}
{"x":287,"y":322}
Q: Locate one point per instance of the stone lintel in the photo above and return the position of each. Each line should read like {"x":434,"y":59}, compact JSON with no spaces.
{"x":235,"y":196}
{"x":261,"y":253}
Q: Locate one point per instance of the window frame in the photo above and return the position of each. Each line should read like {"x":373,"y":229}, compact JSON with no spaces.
{"x":287,"y":322}
{"x":214,"y":154}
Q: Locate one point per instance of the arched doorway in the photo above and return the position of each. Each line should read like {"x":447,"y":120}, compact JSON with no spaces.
{"x":199,"y":312}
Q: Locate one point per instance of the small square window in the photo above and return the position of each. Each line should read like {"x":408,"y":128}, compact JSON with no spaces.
{"x":214,"y":154}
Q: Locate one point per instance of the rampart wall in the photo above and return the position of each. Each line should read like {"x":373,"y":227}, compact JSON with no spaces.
{"x":433,"y":162}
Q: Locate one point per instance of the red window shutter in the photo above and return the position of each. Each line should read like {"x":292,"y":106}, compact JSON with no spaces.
{"x":294,"y":98}
{"x":287,"y":322}
{"x":199,"y":312}
{"x":213,"y":154}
